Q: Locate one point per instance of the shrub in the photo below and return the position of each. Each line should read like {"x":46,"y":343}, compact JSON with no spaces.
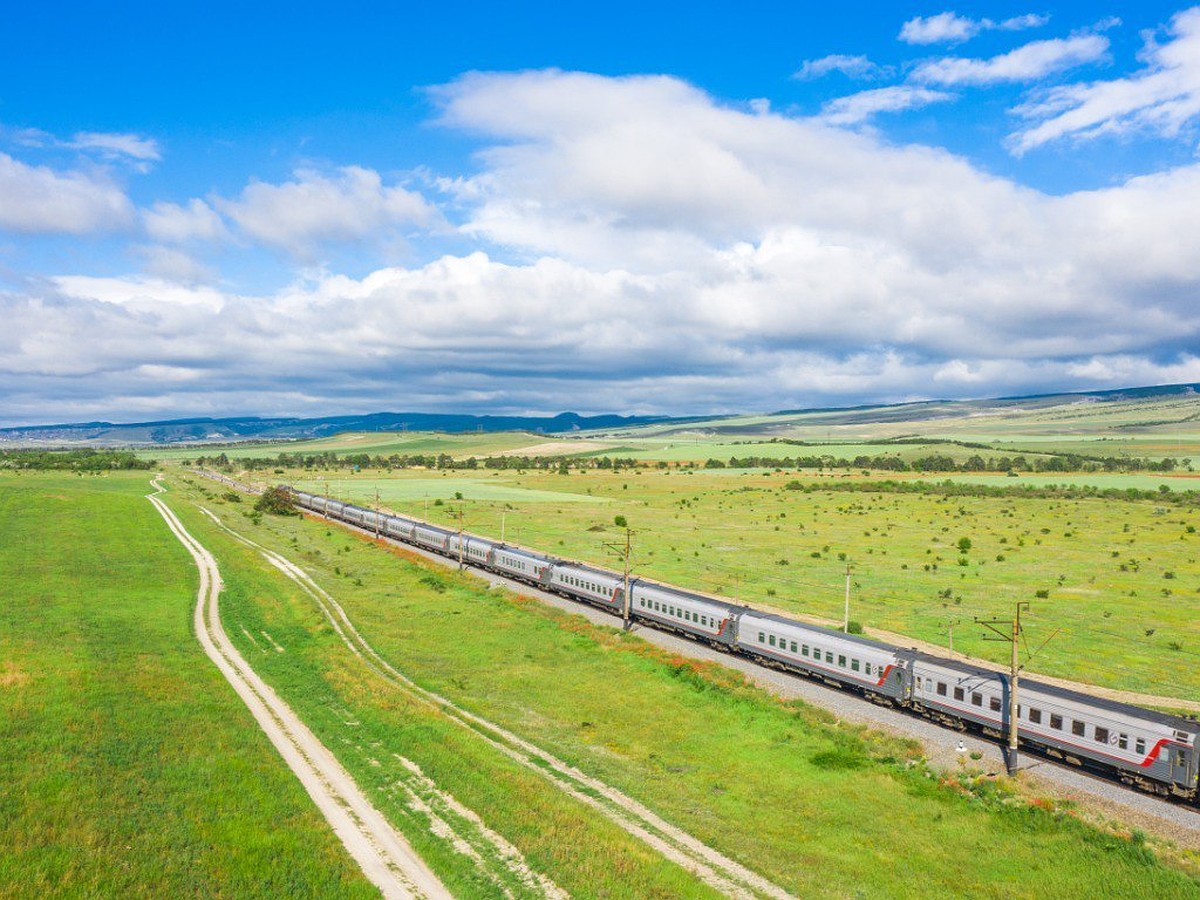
{"x":277,"y":501}
{"x":853,"y":627}
{"x":620,"y":521}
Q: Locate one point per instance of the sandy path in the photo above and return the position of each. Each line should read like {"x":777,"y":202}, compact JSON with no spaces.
{"x":385,"y":856}
{"x":714,"y":868}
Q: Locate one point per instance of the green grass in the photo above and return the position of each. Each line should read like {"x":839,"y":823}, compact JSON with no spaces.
{"x":1121,"y":578}
{"x":822,"y":808}
{"x":496,"y":488}
{"x":383,"y":443}
{"x":128,"y":766}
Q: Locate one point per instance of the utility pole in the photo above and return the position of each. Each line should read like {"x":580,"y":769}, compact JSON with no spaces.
{"x":846,"y":609}
{"x":626,"y":553}
{"x":1009,"y":630}
{"x":377,"y":517}
{"x":502,"y":516}
{"x":950,"y":623}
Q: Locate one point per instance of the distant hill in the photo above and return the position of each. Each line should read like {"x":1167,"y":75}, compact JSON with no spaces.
{"x":214,"y":431}
{"x":254,"y":428}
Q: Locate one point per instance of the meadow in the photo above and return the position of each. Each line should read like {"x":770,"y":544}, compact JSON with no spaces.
{"x":1115,"y":582}
{"x":819,"y":807}
{"x":129,"y":767}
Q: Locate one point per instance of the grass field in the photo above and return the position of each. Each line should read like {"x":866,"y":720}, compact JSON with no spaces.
{"x":382,"y":443}
{"x":819,"y":807}
{"x":128,"y":766}
{"x":1120,"y":578}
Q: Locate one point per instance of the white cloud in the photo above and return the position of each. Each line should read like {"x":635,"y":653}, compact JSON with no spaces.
{"x":951,"y":28}
{"x":1162,"y":98}
{"x":858,"y":67}
{"x":652,"y":250}
{"x":349,"y":205}
{"x":174,"y":224}
{"x":116,"y":145}
{"x":945,"y":27}
{"x":1026,"y":63}
{"x":38,"y":199}
{"x":859,"y":107}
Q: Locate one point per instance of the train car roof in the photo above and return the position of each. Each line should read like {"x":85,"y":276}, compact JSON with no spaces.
{"x":831,"y":632}
{"x":634,"y":583}
{"x":591,"y":570}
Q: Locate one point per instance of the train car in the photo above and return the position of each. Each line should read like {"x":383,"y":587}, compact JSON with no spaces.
{"x":475,"y":550}
{"x":960,"y":694}
{"x":431,"y":537}
{"x":845,"y":659}
{"x":398,"y":527}
{"x":695,"y":615}
{"x":595,"y":586}
{"x":1152,"y":750}
{"x":521,"y":564}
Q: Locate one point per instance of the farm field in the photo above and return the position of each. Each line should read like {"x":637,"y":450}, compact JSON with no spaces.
{"x":385,"y":443}
{"x":848,"y":812}
{"x":129,"y":768}
{"x":1116,"y":582}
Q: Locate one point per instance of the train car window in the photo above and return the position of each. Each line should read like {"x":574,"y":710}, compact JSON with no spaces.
{"x":1056,"y":721}
{"x":804,"y":649}
{"x":828,"y":656}
{"x":793,"y":648}
{"x":771,"y":640}
{"x":1035,"y":715}
{"x":941,"y":689}
{"x":1123,"y":741}
{"x":762,"y":639}
{"x":1078,"y":728}
{"x":977,"y":699}
{"x":1140,"y":746}
{"x":1179,"y":758}
{"x":1101,"y":735}
{"x":959,"y":694}
{"x":842,"y":660}
{"x":994,"y":703}
{"x":854,"y":667}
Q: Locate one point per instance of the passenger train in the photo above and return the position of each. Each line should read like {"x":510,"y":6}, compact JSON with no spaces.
{"x":1150,"y":750}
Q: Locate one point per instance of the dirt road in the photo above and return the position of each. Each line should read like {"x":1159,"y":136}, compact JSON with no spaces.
{"x":385,"y":856}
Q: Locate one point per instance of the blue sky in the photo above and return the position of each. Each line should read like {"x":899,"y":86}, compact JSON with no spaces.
{"x":623,"y":207}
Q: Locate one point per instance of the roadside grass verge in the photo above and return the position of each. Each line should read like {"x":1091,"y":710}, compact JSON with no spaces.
{"x":820,"y":807}
{"x":128,"y":767}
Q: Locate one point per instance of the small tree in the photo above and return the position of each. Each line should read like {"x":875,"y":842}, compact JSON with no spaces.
{"x":620,"y":522}
{"x":277,"y":501}
{"x":964,"y":544}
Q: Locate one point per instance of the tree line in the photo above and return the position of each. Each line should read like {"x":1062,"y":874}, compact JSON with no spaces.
{"x":85,"y":459}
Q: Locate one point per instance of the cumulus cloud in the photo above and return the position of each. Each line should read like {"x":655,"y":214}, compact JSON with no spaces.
{"x":1030,"y":62}
{"x":174,"y":224}
{"x":857,"y":67}
{"x":348,"y":205}
{"x":1162,"y":98}
{"x":38,"y":199}
{"x":652,"y":250}
{"x":859,"y":107}
{"x":951,"y":28}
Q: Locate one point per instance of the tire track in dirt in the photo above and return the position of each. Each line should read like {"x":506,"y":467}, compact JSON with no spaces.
{"x":709,"y":865}
{"x":385,"y":857}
